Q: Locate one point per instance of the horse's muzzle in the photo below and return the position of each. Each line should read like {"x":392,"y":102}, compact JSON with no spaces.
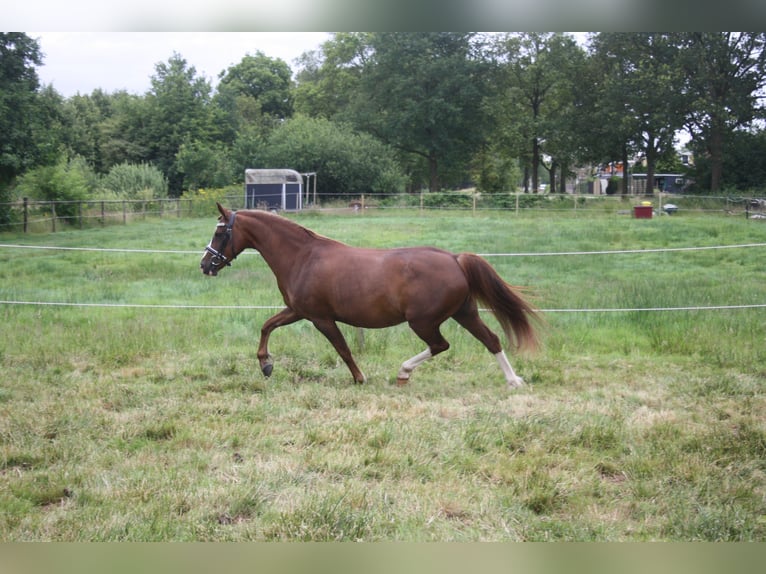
{"x":212,"y":261}
{"x":208,"y":268}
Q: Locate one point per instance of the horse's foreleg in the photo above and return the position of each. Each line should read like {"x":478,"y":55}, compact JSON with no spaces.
{"x":284,"y":317}
{"x":330,"y":330}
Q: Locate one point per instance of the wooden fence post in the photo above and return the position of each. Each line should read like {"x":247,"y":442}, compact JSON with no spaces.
{"x":360,"y":339}
{"x":26,"y":213}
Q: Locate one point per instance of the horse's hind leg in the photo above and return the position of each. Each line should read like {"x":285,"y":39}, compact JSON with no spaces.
{"x":469,"y":318}
{"x":284,"y":317}
{"x":436,"y":344}
{"x":330,"y":330}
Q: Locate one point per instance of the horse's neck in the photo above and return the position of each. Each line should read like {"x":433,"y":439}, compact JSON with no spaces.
{"x":280,"y":241}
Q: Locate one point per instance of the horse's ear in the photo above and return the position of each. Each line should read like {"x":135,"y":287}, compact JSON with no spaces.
{"x":222,"y":209}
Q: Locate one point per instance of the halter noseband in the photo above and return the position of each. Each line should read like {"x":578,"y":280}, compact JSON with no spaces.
{"x":219,"y":258}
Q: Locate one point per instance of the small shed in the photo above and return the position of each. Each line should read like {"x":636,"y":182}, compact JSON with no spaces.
{"x":273,"y":189}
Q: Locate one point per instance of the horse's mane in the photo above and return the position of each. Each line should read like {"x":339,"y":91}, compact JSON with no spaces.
{"x":285,"y":222}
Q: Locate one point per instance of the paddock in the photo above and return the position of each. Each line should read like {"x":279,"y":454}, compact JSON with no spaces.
{"x":133,"y":407}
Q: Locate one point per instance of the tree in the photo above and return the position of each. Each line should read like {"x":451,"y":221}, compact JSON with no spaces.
{"x":607,"y":128}
{"x":329,"y":78}
{"x":423,"y":94}
{"x":725,"y":76}
{"x":19,"y":54}
{"x":535,"y":80}
{"x":641,"y":93}
{"x":267,"y":81}
{"x":206,"y":165}
{"x":84,"y":117}
{"x":744,"y":162}
{"x":125,"y":130}
{"x":179,"y":111}
{"x":560,"y":126}
{"x":348,"y":163}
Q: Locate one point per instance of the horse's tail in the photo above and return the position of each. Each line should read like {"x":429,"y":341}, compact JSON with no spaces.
{"x":514,"y":314}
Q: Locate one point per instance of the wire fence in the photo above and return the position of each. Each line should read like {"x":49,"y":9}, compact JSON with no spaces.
{"x":32,"y":216}
{"x":275,"y":307}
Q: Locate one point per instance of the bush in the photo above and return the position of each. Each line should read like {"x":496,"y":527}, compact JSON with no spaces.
{"x":6,"y":197}
{"x":205,"y":165}
{"x":130,"y":181}
{"x":204,"y":199}
{"x":65,"y":181}
{"x":445,"y":200}
{"x":527,"y":200}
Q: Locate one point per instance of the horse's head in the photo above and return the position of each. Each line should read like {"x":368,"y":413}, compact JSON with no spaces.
{"x":220,"y":251}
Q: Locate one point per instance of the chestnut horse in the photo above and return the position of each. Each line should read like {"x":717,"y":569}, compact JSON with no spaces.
{"x":324,"y":281}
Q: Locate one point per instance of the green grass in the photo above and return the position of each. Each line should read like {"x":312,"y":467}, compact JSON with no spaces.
{"x":123,"y":423}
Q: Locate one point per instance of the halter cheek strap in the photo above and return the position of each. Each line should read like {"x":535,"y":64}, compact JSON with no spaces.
{"x":218,"y":257}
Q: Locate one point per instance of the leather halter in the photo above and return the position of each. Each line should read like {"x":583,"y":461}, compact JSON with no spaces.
{"x":219,"y":258}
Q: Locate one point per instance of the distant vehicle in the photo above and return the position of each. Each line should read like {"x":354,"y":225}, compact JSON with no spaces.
{"x":664,"y":182}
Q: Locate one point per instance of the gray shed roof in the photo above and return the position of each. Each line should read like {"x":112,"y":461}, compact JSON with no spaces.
{"x":257,"y":176}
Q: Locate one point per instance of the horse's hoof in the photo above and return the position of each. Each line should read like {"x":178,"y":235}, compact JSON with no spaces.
{"x":266,"y":369}
{"x":515,"y":384}
{"x":402,"y":382}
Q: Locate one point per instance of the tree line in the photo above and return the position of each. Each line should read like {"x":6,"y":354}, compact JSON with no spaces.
{"x":389,"y":112}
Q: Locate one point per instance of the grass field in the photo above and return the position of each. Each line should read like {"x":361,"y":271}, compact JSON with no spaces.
{"x":154,"y":423}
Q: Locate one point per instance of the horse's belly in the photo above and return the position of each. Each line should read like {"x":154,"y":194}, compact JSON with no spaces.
{"x":377,"y":288}
{"x":370,"y":314}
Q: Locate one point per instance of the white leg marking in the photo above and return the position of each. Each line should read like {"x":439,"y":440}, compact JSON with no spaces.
{"x":410,"y":364}
{"x":511,"y":377}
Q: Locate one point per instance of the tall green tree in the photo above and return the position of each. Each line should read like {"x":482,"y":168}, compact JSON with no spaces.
{"x":84,"y":118}
{"x":266,"y":81}
{"x":605,"y":123}
{"x":423,"y":94}
{"x":125,"y":130}
{"x":641,"y":93}
{"x":179,"y":111}
{"x":725,"y":78}
{"x":535,"y":76}
{"x":562,"y":144}
{"x":19,"y":104}
{"x":328,"y":79}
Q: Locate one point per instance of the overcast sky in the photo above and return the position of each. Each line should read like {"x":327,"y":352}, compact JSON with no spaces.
{"x":80,"y":62}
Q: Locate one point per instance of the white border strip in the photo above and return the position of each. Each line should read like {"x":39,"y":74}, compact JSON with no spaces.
{"x":528,"y":254}
{"x":275,"y":307}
